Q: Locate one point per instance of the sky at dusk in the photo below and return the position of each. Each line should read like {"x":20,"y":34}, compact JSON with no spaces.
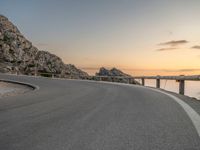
{"x":141,"y":37}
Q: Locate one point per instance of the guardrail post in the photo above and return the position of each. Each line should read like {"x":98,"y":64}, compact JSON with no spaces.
{"x":111,"y":79}
{"x":35,"y":72}
{"x":143,"y":82}
{"x":157,"y":83}
{"x":130,"y":80}
{"x":182,"y":87}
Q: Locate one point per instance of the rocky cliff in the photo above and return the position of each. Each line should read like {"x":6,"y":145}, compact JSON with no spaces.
{"x":18,"y":55}
{"x":116,"y":75}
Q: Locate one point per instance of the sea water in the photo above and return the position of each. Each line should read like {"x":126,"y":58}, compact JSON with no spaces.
{"x":192,"y":88}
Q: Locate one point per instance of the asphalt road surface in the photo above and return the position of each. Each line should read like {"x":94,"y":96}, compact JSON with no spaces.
{"x":81,"y":115}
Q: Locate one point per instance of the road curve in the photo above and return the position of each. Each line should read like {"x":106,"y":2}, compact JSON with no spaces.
{"x":81,"y":115}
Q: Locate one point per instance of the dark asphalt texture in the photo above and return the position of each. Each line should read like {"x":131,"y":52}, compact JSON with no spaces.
{"x":82,"y":115}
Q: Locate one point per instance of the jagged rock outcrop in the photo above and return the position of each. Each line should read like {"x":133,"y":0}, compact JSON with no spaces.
{"x":112,"y":72}
{"x":18,"y":55}
{"x":15,"y":51}
{"x":73,"y":72}
{"x":47,"y":62}
{"x":115,"y":75}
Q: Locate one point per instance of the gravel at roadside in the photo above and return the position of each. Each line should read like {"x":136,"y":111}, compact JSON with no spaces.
{"x":12,"y":89}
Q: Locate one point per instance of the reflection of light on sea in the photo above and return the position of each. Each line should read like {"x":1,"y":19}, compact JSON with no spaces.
{"x":192,"y":88}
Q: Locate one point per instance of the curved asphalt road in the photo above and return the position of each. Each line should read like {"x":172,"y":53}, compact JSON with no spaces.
{"x":81,"y":115}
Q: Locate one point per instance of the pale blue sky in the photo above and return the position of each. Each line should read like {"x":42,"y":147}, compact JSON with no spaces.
{"x":120,"y":33}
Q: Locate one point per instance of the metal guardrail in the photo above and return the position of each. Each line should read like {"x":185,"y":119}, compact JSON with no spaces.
{"x":130,"y":80}
{"x":181,"y":79}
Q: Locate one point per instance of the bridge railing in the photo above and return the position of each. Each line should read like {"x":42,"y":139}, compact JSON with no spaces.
{"x":181,"y":79}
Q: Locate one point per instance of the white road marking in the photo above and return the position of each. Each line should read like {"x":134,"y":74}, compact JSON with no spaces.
{"x":193,"y":115}
{"x":23,"y":83}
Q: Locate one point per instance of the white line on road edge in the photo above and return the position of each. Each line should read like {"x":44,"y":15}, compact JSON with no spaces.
{"x":35,"y":87}
{"x":193,"y":115}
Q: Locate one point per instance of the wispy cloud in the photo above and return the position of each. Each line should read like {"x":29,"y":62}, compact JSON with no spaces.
{"x":196,"y":47}
{"x":166,"y":49}
{"x":188,"y":70}
{"x":174,"y":43}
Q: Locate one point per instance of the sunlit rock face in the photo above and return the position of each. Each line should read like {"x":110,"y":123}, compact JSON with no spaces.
{"x":15,"y":51}
{"x":112,"y":72}
{"x":73,"y":72}
{"x":18,"y":55}
{"x":116,"y":75}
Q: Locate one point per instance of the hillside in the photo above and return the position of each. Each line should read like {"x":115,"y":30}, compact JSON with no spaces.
{"x":18,"y":55}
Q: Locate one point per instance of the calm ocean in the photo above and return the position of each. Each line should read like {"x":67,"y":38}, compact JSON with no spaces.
{"x":192,"y":88}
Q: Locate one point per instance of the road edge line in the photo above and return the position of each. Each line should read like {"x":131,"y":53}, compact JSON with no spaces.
{"x":193,"y":115}
{"x":35,"y":87}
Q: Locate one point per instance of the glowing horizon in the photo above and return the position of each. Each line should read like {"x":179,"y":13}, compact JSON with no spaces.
{"x":147,"y":72}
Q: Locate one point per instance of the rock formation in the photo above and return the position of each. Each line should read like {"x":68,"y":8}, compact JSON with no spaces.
{"x":73,"y":72}
{"x":115,"y":75}
{"x":112,"y":72}
{"x":18,"y":55}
